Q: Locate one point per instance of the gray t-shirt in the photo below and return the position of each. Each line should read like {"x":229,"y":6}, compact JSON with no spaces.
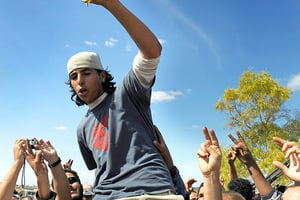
{"x":116,"y":138}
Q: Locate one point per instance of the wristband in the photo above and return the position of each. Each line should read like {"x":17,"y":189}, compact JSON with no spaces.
{"x":55,"y":163}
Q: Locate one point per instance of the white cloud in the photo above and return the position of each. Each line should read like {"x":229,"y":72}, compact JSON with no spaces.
{"x":111,"y":42}
{"x":90,"y":43}
{"x":60,"y":128}
{"x":196,"y":126}
{"x":294,"y":82}
{"x":162,"y":41}
{"x":160,"y":96}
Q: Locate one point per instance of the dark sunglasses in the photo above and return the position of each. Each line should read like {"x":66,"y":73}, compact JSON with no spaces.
{"x":72,"y":180}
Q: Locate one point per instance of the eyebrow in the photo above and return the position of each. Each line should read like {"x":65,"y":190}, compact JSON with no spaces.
{"x":80,"y":71}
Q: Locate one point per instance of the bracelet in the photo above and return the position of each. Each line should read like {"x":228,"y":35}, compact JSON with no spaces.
{"x":55,"y":163}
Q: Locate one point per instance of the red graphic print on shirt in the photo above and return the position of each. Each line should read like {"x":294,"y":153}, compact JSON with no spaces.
{"x":100,"y":134}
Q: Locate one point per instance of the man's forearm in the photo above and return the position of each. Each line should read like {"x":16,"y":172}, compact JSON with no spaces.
{"x":143,"y":37}
{"x":262,"y":185}
{"x":212,"y":187}
{"x":43,"y":186}
{"x":60,"y":182}
{"x":9,"y":182}
{"x":232,"y":171}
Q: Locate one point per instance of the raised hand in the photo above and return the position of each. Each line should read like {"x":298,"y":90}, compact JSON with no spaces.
{"x":48,"y":151}
{"x":288,"y":147}
{"x":209,"y":154}
{"x":19,"y":150}
{"x":245,"y":156}
{"x":240,"y":148}
{"x":99,"y":2}
{"x":209,"y":159}
{"x":35,"y":160}
{"x":68,"y":164}
{"x":231,"y":156}
{"x":188,"y":184}
{"x":292,"y":152}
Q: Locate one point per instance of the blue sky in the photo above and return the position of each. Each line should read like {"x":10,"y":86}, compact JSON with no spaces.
{"x":207,"y":45}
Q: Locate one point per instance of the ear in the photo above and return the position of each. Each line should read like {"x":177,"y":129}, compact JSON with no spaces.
{"x":103,"y":76}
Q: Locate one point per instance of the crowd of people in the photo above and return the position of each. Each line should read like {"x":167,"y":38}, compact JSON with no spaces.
{"x":209,"y":157}
{"x":117,"y":139}
{"x":66,"y":183}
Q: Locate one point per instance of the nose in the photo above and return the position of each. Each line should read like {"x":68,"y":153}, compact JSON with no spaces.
{"x":80,"y":79}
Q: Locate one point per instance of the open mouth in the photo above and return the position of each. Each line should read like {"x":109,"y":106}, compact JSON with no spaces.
{"x":82,"y":92}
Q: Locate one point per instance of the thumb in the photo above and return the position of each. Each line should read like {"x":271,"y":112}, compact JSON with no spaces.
{"x":38,"y":155}
{"x":280,"y":166}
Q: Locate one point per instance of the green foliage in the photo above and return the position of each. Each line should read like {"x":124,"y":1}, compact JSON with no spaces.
{"x":255,"y":107}
{"x":292,"y":127}
{"x":257,"y":99}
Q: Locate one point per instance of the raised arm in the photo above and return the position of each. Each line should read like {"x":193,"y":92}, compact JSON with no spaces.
{"x":245,"y":156}
{"x":148,"y":44}
{"x":232,"y":170}
{"x":8,"y":184}
{"x":209,"y":160}
{"x":60,"y":182}
{"x":34,"y":159}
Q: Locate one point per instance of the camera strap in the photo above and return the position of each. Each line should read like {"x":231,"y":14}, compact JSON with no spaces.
{"x":23,"y":175}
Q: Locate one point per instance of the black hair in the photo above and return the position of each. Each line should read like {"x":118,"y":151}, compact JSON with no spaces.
{"x":108,"y":86}
{"x":78,"y":179}
{"x":74,"y":173}
{"x":242,"y":186}
{"x":281,"y":188}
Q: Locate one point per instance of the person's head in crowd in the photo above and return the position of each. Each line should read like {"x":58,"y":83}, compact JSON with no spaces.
{"x":201,"y":192}
{"x":75,"y":184}
{"x":232,"y":195}
{"x":88,"y":195}
{"x":27,"y":194}
{"x":242,"y":186}
{"x":281,"y":188}
{"x":16,"y":195}
{"x":88,"y":62}
{"x":291,"y":193}
{"x":26,"y":198}
{"x":193,"y":195}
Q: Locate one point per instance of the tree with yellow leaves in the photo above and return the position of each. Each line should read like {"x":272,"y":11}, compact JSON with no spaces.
{"x":255,"y":108}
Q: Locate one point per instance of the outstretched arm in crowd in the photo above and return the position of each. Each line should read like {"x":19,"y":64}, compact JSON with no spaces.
{"x":189,"y":185}
{"x":231,"y":156}
{"x":35,"y":160}
{"x":292,"y":152}
{"x":209,"y":159}
{"x":148,"y":44}
{"x":165,"y":153}
{"x":60,"y":181}
{"x":8,"y":184}
{"x":245,"y":156}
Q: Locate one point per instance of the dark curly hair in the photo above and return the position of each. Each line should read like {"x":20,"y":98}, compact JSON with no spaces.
{"x":108,"y":85}
{"x":242,"y":186}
